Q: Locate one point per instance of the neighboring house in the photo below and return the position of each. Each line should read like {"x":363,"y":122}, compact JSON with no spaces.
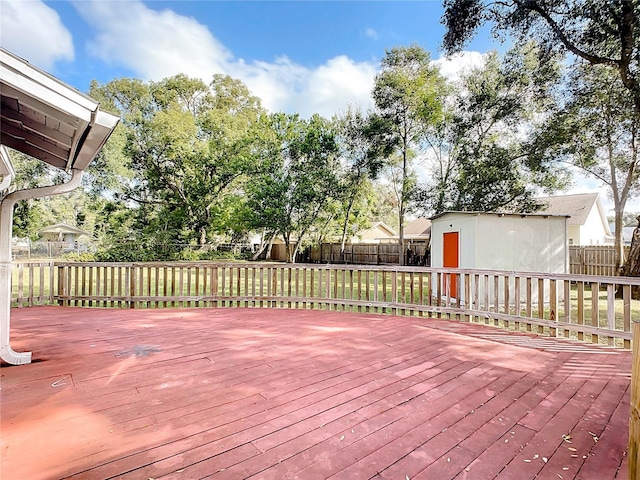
{"x":61,"y":232}
{"x":587,"y":224}
{"x":418,"y":230}
{"x":379,"y":232}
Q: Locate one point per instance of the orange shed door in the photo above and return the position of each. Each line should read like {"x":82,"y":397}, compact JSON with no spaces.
{"x":450,"y":254}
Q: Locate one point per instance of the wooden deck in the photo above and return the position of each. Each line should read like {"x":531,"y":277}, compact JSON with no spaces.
{"x":296,"y":394}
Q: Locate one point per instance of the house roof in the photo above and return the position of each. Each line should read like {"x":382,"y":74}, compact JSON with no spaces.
{"x":627,"y":232}
{"x":381,"y":226}
{"x":63,"y":228}
{"x":47,"y":119}
{"x":420,"y":227}
{"x":577,"y":206}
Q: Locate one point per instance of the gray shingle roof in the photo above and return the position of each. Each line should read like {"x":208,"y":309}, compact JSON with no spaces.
{"x":576,"y":206}
{"x":419,"y":226}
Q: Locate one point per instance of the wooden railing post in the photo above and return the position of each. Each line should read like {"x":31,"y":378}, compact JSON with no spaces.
{"x":634,"y":419}
{"x":132,"y":286}
{"x":61,"y":285}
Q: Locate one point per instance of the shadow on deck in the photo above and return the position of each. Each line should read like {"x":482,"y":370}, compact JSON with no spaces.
{"x":298,"y":394}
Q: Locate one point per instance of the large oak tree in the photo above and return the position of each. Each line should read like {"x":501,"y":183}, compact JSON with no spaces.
{"x":479,"y":157}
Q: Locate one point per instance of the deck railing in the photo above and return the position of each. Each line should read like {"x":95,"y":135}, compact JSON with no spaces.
{"x":33,"y":283}
{"x":588,"y":308}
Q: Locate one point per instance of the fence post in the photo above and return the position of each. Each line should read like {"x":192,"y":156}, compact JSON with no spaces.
{"x":634,"y":418}
{"x":132,"y":286}
{"x":61,"y":285}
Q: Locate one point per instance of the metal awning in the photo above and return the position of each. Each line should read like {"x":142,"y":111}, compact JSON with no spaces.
{"x":48,"y":120}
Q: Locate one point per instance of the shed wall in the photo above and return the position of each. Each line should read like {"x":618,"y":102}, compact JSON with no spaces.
{"x":510,"y":242}
{"x":465,"y":225}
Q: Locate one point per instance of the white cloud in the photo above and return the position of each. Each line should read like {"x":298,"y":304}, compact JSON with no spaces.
{"x":334,"y":86}
{"x":275,"y":83}
{"x":153,"y":44}
{"x":34,"y":31}
{"x":453,"y":66}
{"x":371,"y":33}
{"x":158,"y":44}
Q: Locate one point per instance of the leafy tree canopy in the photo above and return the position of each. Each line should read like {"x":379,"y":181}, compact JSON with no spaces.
{"x":409,"y":94}
{"x":480,"y":159}
{"x":298,"y":181}
{"x":597,"y":32}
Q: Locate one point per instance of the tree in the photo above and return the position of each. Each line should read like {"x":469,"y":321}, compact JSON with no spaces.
{"x":596,"y":32}
{"x":364,"y":145}
{"x":480,"y":159}
{"x":32,"y":215}
{"x":408,"y":94}
{"x":298,"y":179}
{"x":597,"y":130}
{"x":190,"y":145}
{"x":602,"y":35}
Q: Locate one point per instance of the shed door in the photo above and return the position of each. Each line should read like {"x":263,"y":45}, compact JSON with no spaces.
{"x":450,"y":259}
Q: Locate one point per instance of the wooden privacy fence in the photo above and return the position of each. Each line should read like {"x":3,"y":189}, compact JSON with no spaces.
{"x":580,"y":307}
{"x":594,"y":260}
{"x":369,"y":253}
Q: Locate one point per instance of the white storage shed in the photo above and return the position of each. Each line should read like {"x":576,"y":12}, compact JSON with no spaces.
{"x":500,"y":241}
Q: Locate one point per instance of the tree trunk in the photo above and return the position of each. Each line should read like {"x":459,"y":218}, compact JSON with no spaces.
{"x":287,"y":248}
{"x":631,"y":267}
{"x":403,"y":197}
{"x":269,"y":248}
{"x":264,"y":244}
{"x":344,"y":227}
{"x":265,"y":247}
{"x":619,"y":240}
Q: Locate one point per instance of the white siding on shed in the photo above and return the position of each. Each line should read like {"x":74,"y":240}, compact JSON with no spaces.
{"x":530,"y":243}
{"x":512,"y":242}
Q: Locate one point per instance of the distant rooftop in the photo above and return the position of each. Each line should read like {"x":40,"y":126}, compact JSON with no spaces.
{"x":419,"y":226}
{"x":577,"y":206}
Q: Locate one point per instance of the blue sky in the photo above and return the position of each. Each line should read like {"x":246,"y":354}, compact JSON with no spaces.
{"x":297,"y":56}
{"x":303,"y":56}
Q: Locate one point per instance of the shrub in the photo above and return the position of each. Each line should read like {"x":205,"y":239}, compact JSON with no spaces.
{"x":207,"y":254}
{"x":79,"y":257}
{"x":127,"y":252}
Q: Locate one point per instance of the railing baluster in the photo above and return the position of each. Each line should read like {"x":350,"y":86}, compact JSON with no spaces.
{"x":580,"y":319}
{"x":626,"y":302}
{"x":595,"y":309}
{"x":497,"y":297}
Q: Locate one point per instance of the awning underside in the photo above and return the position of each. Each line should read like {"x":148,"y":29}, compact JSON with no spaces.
{"x":48,"y":120}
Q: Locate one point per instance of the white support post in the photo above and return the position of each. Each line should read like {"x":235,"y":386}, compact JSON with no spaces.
{"x":7,"y":354}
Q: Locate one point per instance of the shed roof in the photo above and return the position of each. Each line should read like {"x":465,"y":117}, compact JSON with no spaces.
{"x":63,"y":228}
{"x":499,"y":214}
